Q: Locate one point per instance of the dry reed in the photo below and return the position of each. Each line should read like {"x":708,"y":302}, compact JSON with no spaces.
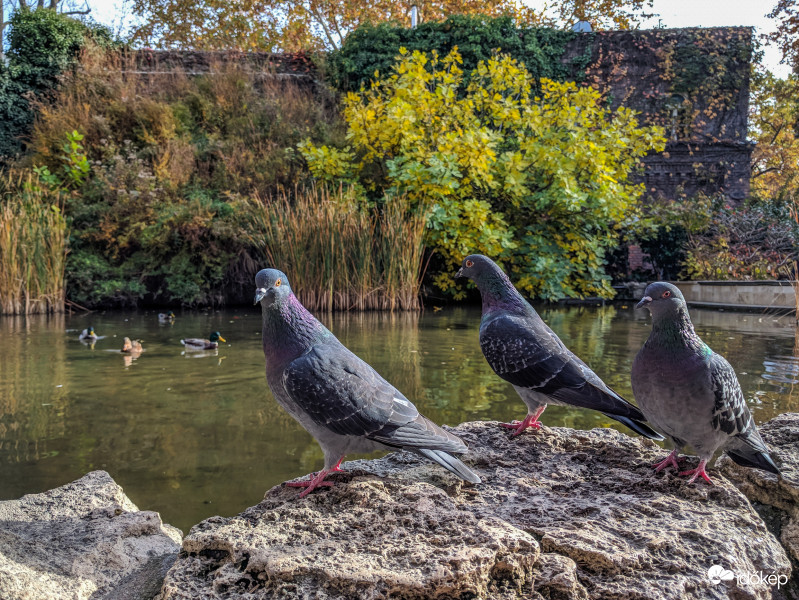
{"x":33,"y":246}
{"x":338,"y":254}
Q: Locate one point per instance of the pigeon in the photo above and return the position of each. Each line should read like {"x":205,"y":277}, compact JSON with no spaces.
{"x":523,"y":351}
{"x":689,"y":392}
{"x":202,"y":344}
{"x":338,"y":398}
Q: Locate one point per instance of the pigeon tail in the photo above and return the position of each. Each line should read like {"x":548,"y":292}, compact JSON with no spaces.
{"x":638,"y":427}
{"x":450,"y":463}
{"x":754,"y":459}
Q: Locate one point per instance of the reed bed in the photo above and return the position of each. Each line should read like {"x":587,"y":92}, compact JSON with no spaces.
{"x":339,"y":254}
{"x":33,"y":246}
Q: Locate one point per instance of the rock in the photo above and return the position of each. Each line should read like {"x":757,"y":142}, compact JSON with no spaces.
{"x":561,"y":514}
{"x":776,"y":499}
{"x":371,"y":538}
{"x":85,"y":539}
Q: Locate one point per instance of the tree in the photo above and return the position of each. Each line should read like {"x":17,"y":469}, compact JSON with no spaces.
{"x":774,"y":127}
{"x":538,"y":181}
{"x":315,"y":24}
{"x":786,"y":36}
{"x":10,"y":6}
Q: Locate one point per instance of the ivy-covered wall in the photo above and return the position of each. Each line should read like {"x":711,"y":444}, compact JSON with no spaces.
{"x":693,"y":81}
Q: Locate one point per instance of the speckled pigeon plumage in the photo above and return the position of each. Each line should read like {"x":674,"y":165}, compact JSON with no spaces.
{"x":523,"y":351}
{"x":689,"y":392}
{"x":338,"y":398}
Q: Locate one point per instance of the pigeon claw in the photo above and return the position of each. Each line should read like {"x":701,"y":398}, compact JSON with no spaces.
{"x":671,"y":460}
{"x":311,"y":484}
{"x":698,"y":472}
{"x":529,"y":421}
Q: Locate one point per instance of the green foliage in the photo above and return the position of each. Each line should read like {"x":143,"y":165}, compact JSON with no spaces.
{"x":537,"y":182}
{"x":370,"y":51}
{"x":43,"y":44}
{"x":153,"y":171}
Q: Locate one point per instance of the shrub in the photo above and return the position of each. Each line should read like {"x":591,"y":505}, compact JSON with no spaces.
{"x":754,"y":241}
{"x":152,"y":165}
{"x":370,"y":51}
{"x":42,"y":45}
{"x":538,"y":182}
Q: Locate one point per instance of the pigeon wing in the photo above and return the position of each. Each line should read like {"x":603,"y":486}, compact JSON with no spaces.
{"x":730,"y":412}
{"x":341,"y":392}
{"x":528,"y":354}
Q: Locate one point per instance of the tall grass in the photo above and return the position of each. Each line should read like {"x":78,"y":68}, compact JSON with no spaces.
{"x":338,"y":254}
{"x":33,"y":246}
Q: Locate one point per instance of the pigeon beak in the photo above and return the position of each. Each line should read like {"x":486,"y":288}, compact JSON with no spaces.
{"x":259,"y":294}
{"x":644,"y":302}
{"x":459,"y":274}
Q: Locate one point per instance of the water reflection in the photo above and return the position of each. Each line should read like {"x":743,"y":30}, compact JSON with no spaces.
{"x":196,"y":434}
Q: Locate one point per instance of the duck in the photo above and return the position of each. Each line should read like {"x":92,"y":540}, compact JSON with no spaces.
{"x":201,"y":344}
{"x":88,"y":335}
{"x":131,"y":347}
{"x":166,"y":317}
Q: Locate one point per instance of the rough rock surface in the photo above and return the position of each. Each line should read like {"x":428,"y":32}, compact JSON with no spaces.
{"x":776,"y":499}
{"x":561,"y":514}
{"x":85,"y":539}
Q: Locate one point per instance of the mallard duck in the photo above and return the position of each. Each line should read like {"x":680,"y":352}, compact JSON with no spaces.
{"x":132,"y":347}
{"x":166,"y":317}
{"x":88,"y":335}
{"x":200,"y":344}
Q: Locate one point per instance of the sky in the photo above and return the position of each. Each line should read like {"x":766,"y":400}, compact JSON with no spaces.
{"x":672,"y":13}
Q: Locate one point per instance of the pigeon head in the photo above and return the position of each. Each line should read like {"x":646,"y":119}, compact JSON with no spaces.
{"x":480,"y":269}
{"x":494,"y":285}
{"x":271,"y":287}
{"x":662,"y":298}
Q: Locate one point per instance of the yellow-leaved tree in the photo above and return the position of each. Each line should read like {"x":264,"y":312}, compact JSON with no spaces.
{"x":533,"y":174}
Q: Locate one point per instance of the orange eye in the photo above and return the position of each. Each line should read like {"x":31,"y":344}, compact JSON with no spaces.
{"x":469,"y":264}
{"x":278,"y":282}
{"x":666,"y":294}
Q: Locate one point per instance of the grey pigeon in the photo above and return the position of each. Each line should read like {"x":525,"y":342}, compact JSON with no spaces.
{"x":523,"y":351}
{"x":689,"y":392}
{"x":338,"y":398}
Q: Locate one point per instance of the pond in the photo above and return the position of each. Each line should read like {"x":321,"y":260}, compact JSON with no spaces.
{"x":196,"y":435}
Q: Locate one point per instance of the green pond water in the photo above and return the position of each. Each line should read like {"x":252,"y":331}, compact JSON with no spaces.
{"x":196,"y":435}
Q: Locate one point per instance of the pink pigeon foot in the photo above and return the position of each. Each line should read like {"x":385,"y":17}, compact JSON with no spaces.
{"x":529,"y":421}
{"x":670,"y":461}
{"x":698,"y":472}
{"x":312,"y":483}
{"x":337,"y":468}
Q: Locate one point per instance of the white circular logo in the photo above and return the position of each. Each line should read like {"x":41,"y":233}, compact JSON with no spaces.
{"x":717,"y":574}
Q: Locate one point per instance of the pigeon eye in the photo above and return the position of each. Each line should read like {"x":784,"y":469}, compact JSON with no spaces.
{"x":278,"y":282}
{"x":469,"y":264}
{"x":666,"y":294}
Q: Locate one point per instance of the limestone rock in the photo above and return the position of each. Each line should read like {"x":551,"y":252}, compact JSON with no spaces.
{"x":371,"y":538}
{"x":85,"y":539}
{"x":399,"y":527}
{"x":777,"y":499}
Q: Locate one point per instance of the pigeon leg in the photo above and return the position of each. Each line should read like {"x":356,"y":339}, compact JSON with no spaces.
{"x":698,"y":472}
{"x":529,"y":421}
{"x":337,"y":468}
{"x":310,"y":484}
{"x":670,"y":461}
